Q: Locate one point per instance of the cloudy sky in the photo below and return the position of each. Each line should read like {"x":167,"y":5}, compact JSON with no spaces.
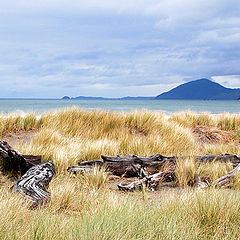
{"x":114,"y":48}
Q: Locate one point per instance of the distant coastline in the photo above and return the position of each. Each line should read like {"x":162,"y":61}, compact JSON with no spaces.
{"x":103,"y":98}
{"x":201,"y":89}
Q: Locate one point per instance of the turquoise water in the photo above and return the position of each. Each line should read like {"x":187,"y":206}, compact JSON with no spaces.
{"x":168,"y":106}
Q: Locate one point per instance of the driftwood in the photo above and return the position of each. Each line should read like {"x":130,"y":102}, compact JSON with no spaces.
{"x":13,"y":161}
{"x":148,"y":169}
{"x":78,"y":169}
{"x":151,"y":181}
{"x":154,"y":181}
{"x":34,"y":182}
{"x":130,"y":166}
{"x":126,"y":166}
{"x":225,"y":158}
{"x":226,"y":179}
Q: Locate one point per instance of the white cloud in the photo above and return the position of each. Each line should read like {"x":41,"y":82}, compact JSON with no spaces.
{"x":231,"y":81}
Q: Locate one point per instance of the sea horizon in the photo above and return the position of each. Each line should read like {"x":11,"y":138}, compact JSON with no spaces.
{"x":21,"y":105}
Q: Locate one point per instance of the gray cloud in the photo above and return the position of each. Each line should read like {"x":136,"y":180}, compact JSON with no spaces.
{"x":75,"y":47}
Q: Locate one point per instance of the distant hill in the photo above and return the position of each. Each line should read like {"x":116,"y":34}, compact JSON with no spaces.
{"x":66,"y":97}
{"x":202,"y":89}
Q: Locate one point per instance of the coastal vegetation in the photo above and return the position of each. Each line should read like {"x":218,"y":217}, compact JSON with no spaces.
{"x":89,"y":206}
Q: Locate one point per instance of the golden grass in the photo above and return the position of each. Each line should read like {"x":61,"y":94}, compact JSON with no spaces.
{"x":229,"y":122}
{"x":79,"y":212}
{"x":15,"y":123}
{"x":185,"y":169}
{"x":83,"y":206}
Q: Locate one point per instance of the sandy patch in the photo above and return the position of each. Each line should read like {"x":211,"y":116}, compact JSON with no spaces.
{"x":22,"y":137}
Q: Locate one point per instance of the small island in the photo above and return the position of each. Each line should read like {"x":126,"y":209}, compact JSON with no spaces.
{"x":66,"y":98}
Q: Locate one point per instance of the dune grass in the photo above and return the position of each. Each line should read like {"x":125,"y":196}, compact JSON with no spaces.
{"x":10,"y":123}
{"x":84,"y":207}
{"x":77,"y":211}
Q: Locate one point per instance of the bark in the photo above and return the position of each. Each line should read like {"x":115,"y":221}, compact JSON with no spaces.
{"x":130,"y":166}
{"x":34,"y":182}
{"x":15,"y":162}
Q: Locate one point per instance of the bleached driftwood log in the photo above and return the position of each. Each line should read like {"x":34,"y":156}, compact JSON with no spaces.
{"x":148,"y":169}
{"x":78,"y":169}
{"x":129,"y":166}
{"x":13,"y":161}
{"x":226,"y":179}
{"x":151,"y":181}
{"x":34,"y":182}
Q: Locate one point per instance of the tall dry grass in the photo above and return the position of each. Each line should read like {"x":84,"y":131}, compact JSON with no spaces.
{"x":14,"y":123}
{"x":80,"y":212}
{"x":83,"y":206}
{"x":72,"y":135}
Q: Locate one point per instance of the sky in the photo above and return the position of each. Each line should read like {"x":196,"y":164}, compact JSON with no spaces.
{"x":52,"y":48}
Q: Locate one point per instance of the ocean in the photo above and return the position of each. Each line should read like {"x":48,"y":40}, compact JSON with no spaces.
{"x":167,"y":106}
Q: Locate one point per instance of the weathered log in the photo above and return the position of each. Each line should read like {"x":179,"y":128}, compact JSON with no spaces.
{"x":126,"y":166}
{"x":32,"y":160}
{"x":226,"y":179}
{"x":151,"y":181}
{"x":159,"y":160}
{"x":138,"y":184}
{"x":234,"y":159}
{"x":79,"y":169}
{"x":34,"y":182}
{"x":15,"y":162}
{"x":129,"y":166}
